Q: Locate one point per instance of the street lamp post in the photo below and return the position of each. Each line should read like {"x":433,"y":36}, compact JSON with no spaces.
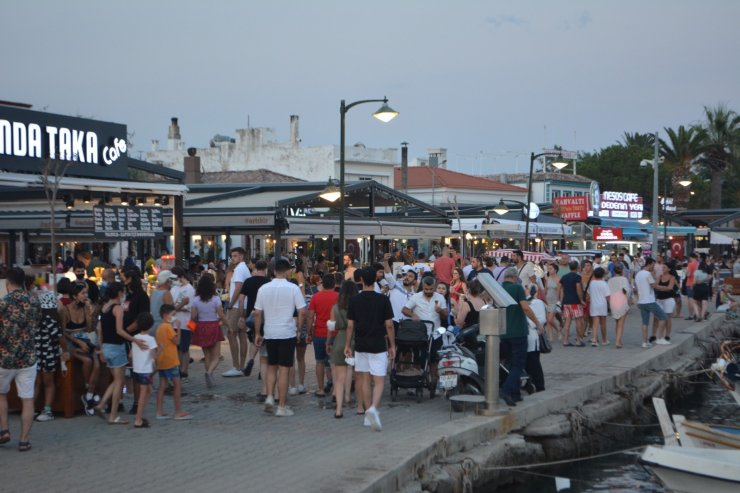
{"x":384,"y":114}
{"x":560,"y":164}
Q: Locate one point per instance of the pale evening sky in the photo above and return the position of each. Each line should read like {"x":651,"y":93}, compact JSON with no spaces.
{"x":490,"y":81}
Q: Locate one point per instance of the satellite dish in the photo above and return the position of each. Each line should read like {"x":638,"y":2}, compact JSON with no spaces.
{"x":533,"y":211}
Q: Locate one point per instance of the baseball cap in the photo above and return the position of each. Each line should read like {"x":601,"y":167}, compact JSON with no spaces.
{"x":165,"y":276}
{"x":407,"y":268}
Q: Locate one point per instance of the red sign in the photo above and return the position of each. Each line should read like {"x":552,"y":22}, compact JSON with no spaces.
{"x":571,"y":208}
{"x":607,"y":234}
{"x":677,"y":251}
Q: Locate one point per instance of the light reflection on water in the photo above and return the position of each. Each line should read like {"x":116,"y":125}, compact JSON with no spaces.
{"x":623,"y":473}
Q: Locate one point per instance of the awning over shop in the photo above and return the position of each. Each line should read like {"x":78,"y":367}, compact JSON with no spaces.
{"x":509,"y":226}
{"x":365,"y":227}
{"x":723,"y":237}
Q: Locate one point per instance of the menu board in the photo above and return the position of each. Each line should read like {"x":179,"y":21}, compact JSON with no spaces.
{"x":123,"y":222}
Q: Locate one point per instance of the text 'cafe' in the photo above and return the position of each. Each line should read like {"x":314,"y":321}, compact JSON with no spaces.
{"x":98,"y":207}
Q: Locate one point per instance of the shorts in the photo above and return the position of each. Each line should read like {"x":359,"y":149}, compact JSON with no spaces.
{"x":690,"y":292}
{"x":232,"y":316}
{"x":143,"y":378}
{"x":115,"y":355}
{"x":667,"y":305}
{"x":25,"y":378}
{"x":185,"y":337}
{"x":573,"y":311}
{"x":280,"y":352}
{"x":374,"y":363}
{"x":701,"y":292}
{"x":646,"y":309}
{"x":170,"y":372}
{"x":319,"y":350}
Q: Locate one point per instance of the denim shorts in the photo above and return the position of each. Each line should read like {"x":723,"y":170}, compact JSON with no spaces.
{"x":646,"y":309}
{"x":185,"y":336}
{"x":115,"y":355}
{"x":319,"y":349}
{"x":143,"y":378}
{"x":170,"y":373}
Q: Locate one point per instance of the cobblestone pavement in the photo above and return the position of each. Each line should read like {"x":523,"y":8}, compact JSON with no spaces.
{"x":233,"y":445}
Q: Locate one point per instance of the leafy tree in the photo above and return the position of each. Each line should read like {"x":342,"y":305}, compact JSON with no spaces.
{"x":721,"y":131}
{"x":644,"y":141}
{"x":617,"y":168}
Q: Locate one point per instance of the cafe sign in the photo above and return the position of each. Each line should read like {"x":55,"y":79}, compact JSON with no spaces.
{"x":93,"y":149}
{"x":608,"y":234}
{"x":623,"y":205}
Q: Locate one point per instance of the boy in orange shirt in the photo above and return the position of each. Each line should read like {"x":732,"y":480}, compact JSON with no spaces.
{"x":168,"y":362}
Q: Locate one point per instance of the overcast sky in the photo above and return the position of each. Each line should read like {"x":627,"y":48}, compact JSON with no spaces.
{"x":490,"y":81}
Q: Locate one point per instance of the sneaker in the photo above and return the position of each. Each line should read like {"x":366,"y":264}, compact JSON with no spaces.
{"x":248,"y":369}
{"x":46,"y":416}
{"x":302,"y":389}
{"x":366,"y":422}
{"x":374,"y":417}
{"x":292,"y":391}
{"x":652,"y":339}
{"x":87,"y":405}
{"x":667,"y":338}
{"x":269,"y":404}
{"x":284,"y":411}
{"x":646,"y":345}
{"x":232,"y":373}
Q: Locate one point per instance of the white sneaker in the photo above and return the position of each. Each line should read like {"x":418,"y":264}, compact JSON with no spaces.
{"x":366,"y":422}
{"x":232,"y":373}
{"x":646,"y":345}
{"x":302,"y":389}
{"x":269,"y":404}
{"x":662,"y":342}
{"x":292,"y":391}
{"x":374,"y":418}
{"x":45,"y":416}
{"x":284,"y":411}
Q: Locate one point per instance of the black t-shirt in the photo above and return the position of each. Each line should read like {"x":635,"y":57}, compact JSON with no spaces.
{"x":250,"y":288}
{"x":136,"y":302}
{"x":369,"y":311}
{"x":474,"y":273}
{"x":570,"y":282}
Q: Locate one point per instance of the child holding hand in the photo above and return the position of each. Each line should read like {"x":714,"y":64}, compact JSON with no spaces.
{"x":168,"y":362}
{"x":143,"y":362}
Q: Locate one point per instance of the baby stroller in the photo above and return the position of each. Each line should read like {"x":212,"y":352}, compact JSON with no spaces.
{"x":410,"y":367}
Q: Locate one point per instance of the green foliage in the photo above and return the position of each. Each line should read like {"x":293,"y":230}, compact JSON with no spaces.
{"x":618,"y":168}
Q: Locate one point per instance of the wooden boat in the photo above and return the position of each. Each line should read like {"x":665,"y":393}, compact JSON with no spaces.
{"x":696,"y":457}
{"x":695,"y":470}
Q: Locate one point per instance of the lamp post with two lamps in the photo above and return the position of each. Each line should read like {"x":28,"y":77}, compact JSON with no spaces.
{"x":384,"y":114}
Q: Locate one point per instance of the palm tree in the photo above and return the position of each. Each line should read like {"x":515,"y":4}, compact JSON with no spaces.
{"x":680,"y":154}
{"x":722,"y":143}
{"x":637,"y":139}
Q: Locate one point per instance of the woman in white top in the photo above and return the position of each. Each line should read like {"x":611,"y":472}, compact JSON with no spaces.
{"x":598,"y":292}
{"x":552,"y":284}
{"x":619,"y":295}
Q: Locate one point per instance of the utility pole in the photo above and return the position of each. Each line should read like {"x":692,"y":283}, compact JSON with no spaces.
{"x":656,"y":163}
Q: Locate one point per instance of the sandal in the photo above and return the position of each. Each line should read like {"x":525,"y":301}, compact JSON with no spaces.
{"x":618,"y":346}
{"x":4,"y":436}
{"x":144,"y":424}
{"x":338,"y":416}
{"x":594,"y":344}
{"x":567,"y":344}
{"x":118,"y":421}
{"x":24,"y":446}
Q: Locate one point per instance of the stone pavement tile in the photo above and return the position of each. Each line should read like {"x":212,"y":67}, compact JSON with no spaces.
{"x":232,"y":445}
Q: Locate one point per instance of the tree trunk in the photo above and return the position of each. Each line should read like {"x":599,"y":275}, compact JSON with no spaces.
{"x":715,"y":199}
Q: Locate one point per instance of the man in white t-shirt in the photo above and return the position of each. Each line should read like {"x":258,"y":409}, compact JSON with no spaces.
{"x":427,"y":304}
{"x":525,"y":270}
{"x":183,"y":294}
{"x":237,"y":335}
{"x":646,"y":286}
{"x":277,"y":303}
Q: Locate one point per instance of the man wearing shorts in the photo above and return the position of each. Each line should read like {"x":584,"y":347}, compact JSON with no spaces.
{"x":646,"y":287}
{"x":370,"y":321}
{"x":319,"y":312}
{"x":20,"y":316}
{"x":237,"y":334}
{"x":276,"y":303}
{"x":570,"y":294}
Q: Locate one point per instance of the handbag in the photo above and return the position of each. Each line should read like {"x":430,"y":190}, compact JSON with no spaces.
{"x":192,"y":325}
{"x":545,"y":346}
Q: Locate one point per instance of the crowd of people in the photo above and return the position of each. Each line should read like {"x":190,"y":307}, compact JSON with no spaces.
{"x":271,"y":311}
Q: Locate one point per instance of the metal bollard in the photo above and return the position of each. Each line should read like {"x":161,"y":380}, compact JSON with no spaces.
{"x":492,"y":326}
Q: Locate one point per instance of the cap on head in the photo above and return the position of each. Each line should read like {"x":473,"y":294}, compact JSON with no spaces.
{"x":165,"y":276}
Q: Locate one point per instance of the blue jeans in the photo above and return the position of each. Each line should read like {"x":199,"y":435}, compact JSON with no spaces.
{"x":515,"y":350}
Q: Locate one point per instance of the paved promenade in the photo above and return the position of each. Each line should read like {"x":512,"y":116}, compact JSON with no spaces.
{"x":233,"y":445}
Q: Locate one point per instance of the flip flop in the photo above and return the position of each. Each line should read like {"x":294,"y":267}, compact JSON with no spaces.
{"x":360,"y":413}
{"x":618,"y":346}
{"x":144,"y":424}
{"x":24,"y":446}
{"x":184,"y":417}
{"x":338,"y":416}
{"x":568,"y":344}
{"x":118,"y":421}
{"x":594,"y":344}
{"x":4,"y":436}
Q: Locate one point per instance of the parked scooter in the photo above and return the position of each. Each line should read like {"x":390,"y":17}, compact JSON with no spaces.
{"x":461,"y":365}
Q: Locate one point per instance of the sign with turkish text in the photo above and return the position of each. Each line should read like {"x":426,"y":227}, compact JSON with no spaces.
{"x":607,"y":234}
{"x":89,"y":148}
{"x":623,"y":205}
{"x":571,"y":208}
{"x":121,"y":222}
